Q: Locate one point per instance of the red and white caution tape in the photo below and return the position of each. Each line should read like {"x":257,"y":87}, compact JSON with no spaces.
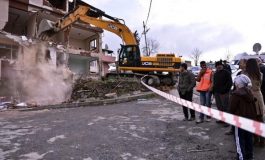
{"x":240,"y":122}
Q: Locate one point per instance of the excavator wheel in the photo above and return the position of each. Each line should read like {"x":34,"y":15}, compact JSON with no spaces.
{"x":167,"y":81}
{"x":153,"y":81}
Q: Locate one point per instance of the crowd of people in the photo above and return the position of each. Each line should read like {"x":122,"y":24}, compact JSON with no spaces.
{"x":243,"y":97}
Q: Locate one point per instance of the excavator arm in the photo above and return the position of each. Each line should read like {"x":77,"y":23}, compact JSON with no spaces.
{"x":119,"y":29}
{"x":129,"y":54}
{"x":90,"y":15}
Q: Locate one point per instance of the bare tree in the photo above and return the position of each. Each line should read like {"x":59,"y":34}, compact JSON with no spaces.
{"x":195,"y":55}
{"x":151,"y":48}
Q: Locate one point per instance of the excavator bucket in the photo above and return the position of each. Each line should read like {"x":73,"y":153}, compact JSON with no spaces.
{"x":46,"y":29}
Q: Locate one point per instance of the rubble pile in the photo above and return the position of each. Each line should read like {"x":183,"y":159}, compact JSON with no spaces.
{"x":89,"y":89}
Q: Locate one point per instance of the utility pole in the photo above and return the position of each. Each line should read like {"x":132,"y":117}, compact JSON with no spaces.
{"x":146,"y":47}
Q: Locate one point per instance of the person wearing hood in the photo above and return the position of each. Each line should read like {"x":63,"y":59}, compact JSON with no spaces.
{"x":185,"y":88}
{"x":242,"y":103}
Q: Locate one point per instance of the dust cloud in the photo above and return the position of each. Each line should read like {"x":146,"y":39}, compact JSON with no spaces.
{"x":39,"y":81}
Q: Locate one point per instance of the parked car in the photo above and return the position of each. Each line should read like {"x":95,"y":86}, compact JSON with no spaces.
{"x":211,"y":66}
{"x":195,"y":70}
{"x":234,"y":68}
{"x":112,"y":67}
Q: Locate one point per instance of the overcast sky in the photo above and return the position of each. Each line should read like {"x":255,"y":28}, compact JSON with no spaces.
{"x":214,"y":26}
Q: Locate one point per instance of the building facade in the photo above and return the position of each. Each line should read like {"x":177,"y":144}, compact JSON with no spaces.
{"x":79,"y":47}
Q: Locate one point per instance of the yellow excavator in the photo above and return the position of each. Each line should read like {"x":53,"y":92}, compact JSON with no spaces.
{"x":160,"y":70}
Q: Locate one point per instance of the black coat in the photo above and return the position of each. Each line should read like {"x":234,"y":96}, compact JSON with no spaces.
{"x":222,"y":82}
{"x":242,"y":103}
{"x":228,"y":68}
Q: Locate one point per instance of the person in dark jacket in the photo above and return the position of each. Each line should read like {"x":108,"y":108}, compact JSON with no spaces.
{"x":227,"y":67}
{"x":242,"y":103}
{"x":222,"y":83}
{"x":185,"y":88}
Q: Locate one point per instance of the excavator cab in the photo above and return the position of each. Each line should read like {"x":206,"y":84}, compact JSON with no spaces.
{"x":129,"y":56}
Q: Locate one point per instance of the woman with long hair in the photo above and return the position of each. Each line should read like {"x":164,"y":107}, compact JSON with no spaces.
{"x":253,"y":72}
{"x":242,"y":65}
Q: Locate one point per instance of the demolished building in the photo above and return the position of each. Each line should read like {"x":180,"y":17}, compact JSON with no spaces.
{"x":79,"y":47}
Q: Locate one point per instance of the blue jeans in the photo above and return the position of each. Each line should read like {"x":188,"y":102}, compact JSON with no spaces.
{"x":205,"y":100}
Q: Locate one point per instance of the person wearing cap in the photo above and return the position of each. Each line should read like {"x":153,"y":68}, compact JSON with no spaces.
{"x":185,"y":88}
{"x":242,"y":103}
{"x":222,"y":83}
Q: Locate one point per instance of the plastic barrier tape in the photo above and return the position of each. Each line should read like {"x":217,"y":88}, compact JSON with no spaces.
{"x":240,"y":122}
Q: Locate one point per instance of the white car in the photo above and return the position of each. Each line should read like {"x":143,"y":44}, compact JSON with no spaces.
{"x":112,"y":67}
{"x":234,"y":74}
{"x":234,"y":68}
{"x":195,"y":70}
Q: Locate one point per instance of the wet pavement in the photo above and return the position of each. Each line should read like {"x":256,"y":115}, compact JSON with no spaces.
{"x":144,"y":129}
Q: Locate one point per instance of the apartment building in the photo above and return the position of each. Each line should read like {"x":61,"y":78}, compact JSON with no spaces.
{"x":78,"y":47}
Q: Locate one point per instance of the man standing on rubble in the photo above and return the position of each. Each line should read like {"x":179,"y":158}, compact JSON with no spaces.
{"x":205,"y":88}
{"x":185,"y":88}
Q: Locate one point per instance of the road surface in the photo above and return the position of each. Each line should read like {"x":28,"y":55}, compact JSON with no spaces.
{"x":140,"y":130}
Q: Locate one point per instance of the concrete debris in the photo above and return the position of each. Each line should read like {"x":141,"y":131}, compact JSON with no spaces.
{"x":16,"y":105}
{"x":60,"y":47}
{"x":85,"y":89}
{"x":24,"y":38}
{"x":199,"y":148}
{"x":111,"y":95}
{"x":33,"y":67}
{"x":5,"y":105}
{"x":23,"y":104}
{"x":136,"y":92}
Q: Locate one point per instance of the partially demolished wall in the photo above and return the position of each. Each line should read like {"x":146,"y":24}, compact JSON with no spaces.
{"x":34,"y":78}
{"x":38,"y":73}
